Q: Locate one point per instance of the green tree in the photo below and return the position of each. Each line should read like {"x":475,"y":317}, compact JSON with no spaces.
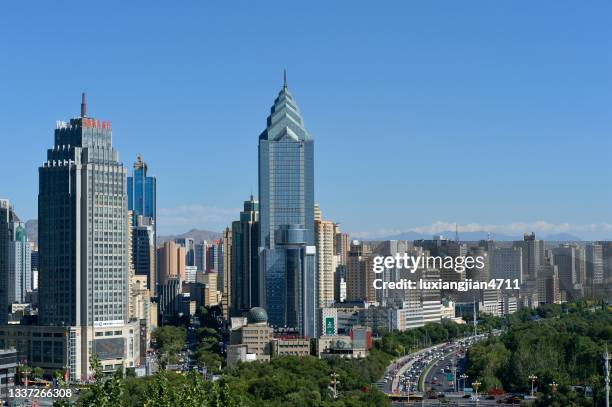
{"x":105,"y":391}
{"x":560,"y":344}
{"x":37,"y":373}
{"x":168,"y":340}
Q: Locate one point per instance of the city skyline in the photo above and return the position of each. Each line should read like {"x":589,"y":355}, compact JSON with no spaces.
{"x":332,"y":203}
{"x":531,"y":112}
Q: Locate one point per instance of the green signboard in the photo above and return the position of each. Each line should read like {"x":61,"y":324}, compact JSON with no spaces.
{"x":329,"y":326}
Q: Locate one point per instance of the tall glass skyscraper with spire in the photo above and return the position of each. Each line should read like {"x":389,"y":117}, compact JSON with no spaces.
{"x":142,"y":191}
{"x":286,"y":195}
{"x":142,"y":201}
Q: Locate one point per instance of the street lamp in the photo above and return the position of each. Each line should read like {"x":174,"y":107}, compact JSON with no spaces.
{"x":476,"y":385}
{"x":407,"y":387}
{"x":463,"y":377}
{"x":334,"y":382}
{"x":554,"y":386}
{"x":533,"y":378}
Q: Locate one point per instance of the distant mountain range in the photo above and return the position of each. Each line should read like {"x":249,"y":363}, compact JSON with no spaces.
{"x":32,"y":230}
{"x":476,"y":236}
{"x":196,"y":234}
{"x":200,"y":234}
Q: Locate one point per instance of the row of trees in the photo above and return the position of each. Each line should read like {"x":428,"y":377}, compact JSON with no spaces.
{"x":283,"y":381}
{"x":26,"y":372}
{"x":210,"y":335}
{"x":562,"y":346}
{"x":168,"y":340}
{"x":305,"y":381}
{"x":165,"y":389}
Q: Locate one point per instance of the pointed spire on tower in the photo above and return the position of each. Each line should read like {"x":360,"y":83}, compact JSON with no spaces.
{"x":83,"y":105}
{"x":284,"y":79}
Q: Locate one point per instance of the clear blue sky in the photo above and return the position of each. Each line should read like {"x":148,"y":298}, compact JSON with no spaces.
{"x":494,"y":113}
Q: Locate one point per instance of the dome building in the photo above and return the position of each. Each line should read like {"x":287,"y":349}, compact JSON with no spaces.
{"x":251,"y":341}
{"x":257,"y":315}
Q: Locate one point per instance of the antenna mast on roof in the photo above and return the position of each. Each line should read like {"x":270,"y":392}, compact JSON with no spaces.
{"x":83,"y":105}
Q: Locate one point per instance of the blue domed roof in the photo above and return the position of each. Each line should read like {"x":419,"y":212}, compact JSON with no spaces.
{"x":257,"y":315}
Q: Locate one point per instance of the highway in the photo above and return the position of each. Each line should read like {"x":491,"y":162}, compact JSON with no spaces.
{"x":432,"y":376}
{"x":440,"y":374}
{"x":406,"y":371}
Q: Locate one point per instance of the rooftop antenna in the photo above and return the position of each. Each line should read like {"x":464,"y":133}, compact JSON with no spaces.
{"x":284,"y":79}
{"x":83,"y":105}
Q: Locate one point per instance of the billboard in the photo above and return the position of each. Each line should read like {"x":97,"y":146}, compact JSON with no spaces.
{"x":330,"y":328}
{"x":110,"y":348}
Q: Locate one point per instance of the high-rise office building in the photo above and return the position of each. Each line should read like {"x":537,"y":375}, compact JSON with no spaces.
{"x":581,"y":267}
{"x":606,"y":253}
{"x":130,"y":251}
{"x":142,"y":191}
{"x":326,"y":262}
{"x":340,"y":283}
{"x":341,"y":249}
{"x":6,"y":218}
{"x":359,"y":275}
{"x":317,"y":213}
{"x":341,"y":245}
{"x":218,"y":263}
{"x":549,"y":291}
{"x":142,"y":202}
{"x":298,"y":287}
{"x":431,"y":299}
{"x":506,"y":263}
{"x":189,"y":245}
{"x":83,"y":256}
{"x":569,"y":259}
{"x":190,"y":274}
{"x":143,"y":249}
{"x":170,"y":298}
{"x":141,"y":277}
{"x":441,"y":246}
{"x":200,"y":255}
{"x":476,"y":273}
{"x":34,"y":265}
{"x":226,"y":292}
{"x":246,"y":280}
{"x":594,"y":263}
{"x":15,"y":258}
{"x":286,"y":194}
{"x":170,"y":262}
{"x":214,"y":257}
{"x":20,"y":266}
{"x":533,"y":254}
{"x":82,"y":205}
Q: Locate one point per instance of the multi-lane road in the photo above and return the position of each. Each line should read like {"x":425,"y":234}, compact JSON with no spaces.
{"x":405,"y":373}
{"x":435,"y":374}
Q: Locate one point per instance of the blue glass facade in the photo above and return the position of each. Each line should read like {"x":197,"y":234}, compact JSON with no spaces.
{"x":142,"y":191}
{"x":286,"y":193}
{"x":142,"y":198}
